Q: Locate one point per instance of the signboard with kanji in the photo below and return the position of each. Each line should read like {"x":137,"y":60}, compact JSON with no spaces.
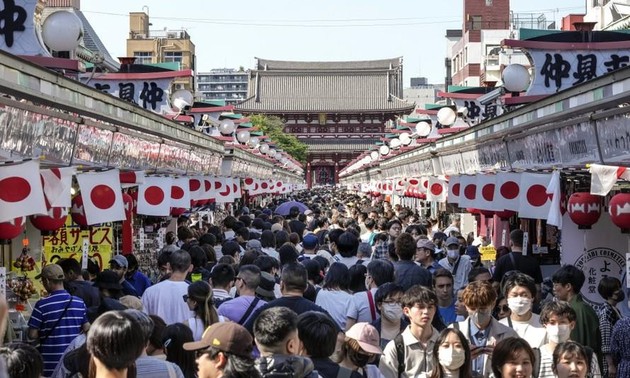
{"x":488,"y":253}
{"x":67,"y":242}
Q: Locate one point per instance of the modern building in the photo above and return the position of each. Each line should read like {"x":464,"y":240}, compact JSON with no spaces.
{"x":608,"y":14}
{"x":223,"y":84}
{"x":421,"y":92}
{"x":173,"y":47}
{"x":339,"y":109}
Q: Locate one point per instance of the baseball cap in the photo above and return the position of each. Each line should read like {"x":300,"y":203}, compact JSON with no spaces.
{"x":451,"y":241}
{"x":310,"y":241}
{"x":120,"y":260}
{"x":308,"y":212}
{"x":228,"y":337}
{"x":51,"y":272}
{"x":254,"y":244}
{"x":425,"y":243}
{"x":367,"y":337}
{"x":473,"y":252}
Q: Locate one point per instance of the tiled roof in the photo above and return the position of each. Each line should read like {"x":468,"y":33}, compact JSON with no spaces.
{"x":326,"y":87}
{"x":383,"y":64}
{"x":340,"y":146}
{"x":324,"y":93}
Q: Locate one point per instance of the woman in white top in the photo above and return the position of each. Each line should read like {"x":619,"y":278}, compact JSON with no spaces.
{"x":334,"y":296}
{"x":199,"y":300}
{"x":451,"y":356}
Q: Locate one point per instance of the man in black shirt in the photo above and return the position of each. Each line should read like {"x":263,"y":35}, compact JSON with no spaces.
{"x":515,"y":260}
{"x":295,"y":225}
{"x":293,"y":283}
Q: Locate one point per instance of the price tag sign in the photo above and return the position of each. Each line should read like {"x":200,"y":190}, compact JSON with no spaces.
{"x":160,"y":239}
{"x":504,"y":237}
{"x":141,"y":238}
{"x":525,"y":242}
{"x":488,"y":253}
{"x":85,"y":249}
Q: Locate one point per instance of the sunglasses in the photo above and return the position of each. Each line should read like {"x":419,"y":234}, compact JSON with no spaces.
{"x":185,"y":297}
{"x":503,"y":308}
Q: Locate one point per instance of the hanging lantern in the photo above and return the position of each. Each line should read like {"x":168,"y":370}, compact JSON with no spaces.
{"x":473,"y":211}
{"x":77,"y":212}
{"x":12,"y":229}
{"x":177,"y":211}
{"x":54,"y":220}
{"x":128,"y":203}
{"x":619,"y":208}
{"x":585,"y":209}
{"x":505,"y":214}
{"x":487,"y":213}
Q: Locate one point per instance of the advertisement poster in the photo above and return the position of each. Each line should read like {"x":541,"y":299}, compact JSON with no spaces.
{"x":68,"y":242}
{"x":598,"y":252}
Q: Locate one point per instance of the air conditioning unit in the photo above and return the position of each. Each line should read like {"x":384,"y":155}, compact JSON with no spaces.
{"x":172,"y":35}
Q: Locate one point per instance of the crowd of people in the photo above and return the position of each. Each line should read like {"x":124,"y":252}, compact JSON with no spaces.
{"x":347,"y":288}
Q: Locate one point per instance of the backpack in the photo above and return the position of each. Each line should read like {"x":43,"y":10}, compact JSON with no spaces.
{"x":400,"y":353}
{"x":285,"y":367}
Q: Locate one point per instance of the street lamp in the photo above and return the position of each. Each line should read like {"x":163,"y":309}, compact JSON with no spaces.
{"x":62,"y":31}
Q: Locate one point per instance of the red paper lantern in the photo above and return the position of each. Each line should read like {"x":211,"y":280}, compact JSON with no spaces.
{"x":54,"y":220}
{"x":505,"y":214}
{"x":12,"y":229}
{"x":487,"y":213}
{"x":619,"y":208}
{"x":177,"y":211}
{"x":128,"y":203}
{"x":77,"y":212}
{"x":585,"y":209}
{"x":473,"y":211}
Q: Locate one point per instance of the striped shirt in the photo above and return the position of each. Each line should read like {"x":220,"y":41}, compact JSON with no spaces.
{"x":45,"y":314}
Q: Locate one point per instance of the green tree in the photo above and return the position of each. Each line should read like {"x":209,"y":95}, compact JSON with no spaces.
{"x":273,"y":127}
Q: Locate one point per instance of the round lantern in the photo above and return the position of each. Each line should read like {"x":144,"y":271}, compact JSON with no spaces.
{"x":487,"y":213}
{"x":128,"y":203}
{"x":177,"y":211}
{"x":473,"y":211}
{"x":12,"y":229}
{"x":505,"y":214}
{"x":619,"y":208}
{"x":585,"y":209}
{"x":77,"y":213}
{"x":52,"y":221}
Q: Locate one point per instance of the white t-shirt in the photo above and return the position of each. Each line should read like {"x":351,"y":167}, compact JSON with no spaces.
{"x":165,"y":300}
{"x":196,"y":325}
{"x":350,"y":261}
{"x":532,"y":331}
{"x":323,"y":253}
{"x":271,"y":252}
{"x":336,"y":302}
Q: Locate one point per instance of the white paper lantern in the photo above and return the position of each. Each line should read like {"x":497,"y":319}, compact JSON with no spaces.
{"x":446,"y":116}
{"x":226,"y":127}
{"x":395,"y":143}
{"x":182,"y":98}
{"x":62,"y":31}
{"x":423,"y":129}
{"x":264,"y":148}
{"x":374,"y":155}
{"x":384,"y":150}
{"x":271,"y":152}
{"x":254,"y":142}
{"x":405,"y":138}
{"x":515,"y":78}
{"x":243,"y":136}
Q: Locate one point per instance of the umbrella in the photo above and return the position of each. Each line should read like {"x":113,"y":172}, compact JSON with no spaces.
{"x":284,"y":208}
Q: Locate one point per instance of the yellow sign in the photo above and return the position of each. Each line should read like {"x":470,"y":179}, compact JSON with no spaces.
{"x":487,"y":253}
{"x":67,"y":242}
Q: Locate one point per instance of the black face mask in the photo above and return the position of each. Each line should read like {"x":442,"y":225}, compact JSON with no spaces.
{"x":360,"y":360}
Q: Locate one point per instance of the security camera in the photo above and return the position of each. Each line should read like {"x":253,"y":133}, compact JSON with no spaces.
{"x":491,"y":96}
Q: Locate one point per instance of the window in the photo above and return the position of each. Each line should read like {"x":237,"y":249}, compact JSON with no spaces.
{"x":173,"y":56}
{"x":143,"y":57}
{"x":476,"y":23}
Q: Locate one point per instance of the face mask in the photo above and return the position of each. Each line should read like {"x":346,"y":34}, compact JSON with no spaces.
{"x":360,"y":360}
{"x":392,"y":311}
{"x":481,"y":318}
{"x":558,"y":333}
{"x":451,"y":358}
{"x":452,"y":253}
{"x":620,"y":297}
{"x":519,"y":305}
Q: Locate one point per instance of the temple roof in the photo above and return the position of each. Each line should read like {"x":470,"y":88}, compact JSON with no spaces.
{"x":326,"y":87}
{"x":334,"y":145}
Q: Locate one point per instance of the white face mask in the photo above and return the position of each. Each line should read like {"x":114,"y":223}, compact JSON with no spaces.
{"x":392,"y":311}
{"x":519,"y":305}
{"x":451,"y":358}
{"x":481,"y":318}
{"x":452,"y":253}
{"x":558,"y":333}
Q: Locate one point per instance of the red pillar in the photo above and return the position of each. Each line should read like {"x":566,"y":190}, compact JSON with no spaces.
{"x":309,"y":182}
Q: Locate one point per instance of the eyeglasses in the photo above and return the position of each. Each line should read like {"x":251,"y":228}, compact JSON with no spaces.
{"x":503,"y":308}
{"x":185,"y":297}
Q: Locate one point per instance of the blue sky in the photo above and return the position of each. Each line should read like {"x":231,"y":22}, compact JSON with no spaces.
{"x":232,"y":33}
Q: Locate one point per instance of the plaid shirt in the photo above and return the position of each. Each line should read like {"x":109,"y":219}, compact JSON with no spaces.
{"x":381,"y":251}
